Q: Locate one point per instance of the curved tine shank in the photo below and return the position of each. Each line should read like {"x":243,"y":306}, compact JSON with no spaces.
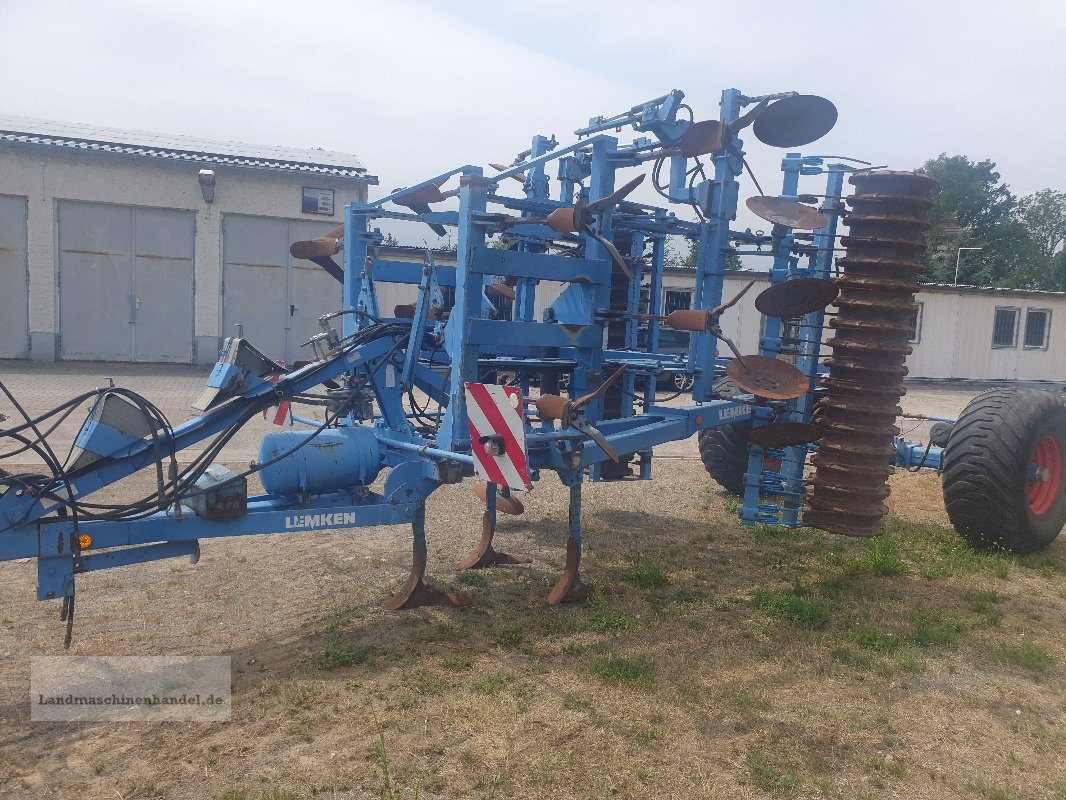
{"x":615,"y":197}
{"x":719,"y":309}
{"x":603,"y":387}
{"x":616,"y":257}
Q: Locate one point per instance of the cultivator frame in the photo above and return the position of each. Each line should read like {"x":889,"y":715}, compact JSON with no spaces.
{"x":604,"y":246}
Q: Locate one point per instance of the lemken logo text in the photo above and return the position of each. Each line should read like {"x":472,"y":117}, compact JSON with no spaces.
{"x":320,"y":520}
{"x":730,"y":413}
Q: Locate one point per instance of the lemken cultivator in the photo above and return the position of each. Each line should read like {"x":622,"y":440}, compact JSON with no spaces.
{"x":582,"y":401}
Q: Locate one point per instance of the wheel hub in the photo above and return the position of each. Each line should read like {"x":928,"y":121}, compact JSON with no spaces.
{"x":1046,"y":475}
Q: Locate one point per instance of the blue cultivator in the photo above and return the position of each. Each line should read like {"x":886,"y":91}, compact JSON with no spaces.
{"x":599,"y":338}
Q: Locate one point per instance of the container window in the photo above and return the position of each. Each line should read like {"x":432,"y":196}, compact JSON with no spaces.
{"x":1037,"y":328}
{"x":1005,"y":327}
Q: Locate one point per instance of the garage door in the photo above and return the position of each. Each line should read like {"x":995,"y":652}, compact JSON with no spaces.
{"x":274,"y":298}
{"x":14,"y":308}
{"x":125,"y":283}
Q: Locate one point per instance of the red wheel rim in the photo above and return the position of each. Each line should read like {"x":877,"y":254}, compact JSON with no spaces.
{"x":1046,"y":473}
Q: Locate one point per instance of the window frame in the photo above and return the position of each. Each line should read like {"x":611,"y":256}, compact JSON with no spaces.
{"x":1047,"y":329}
{"x":1014,"y":336}
{"x":677,"y":290}
{"x":916,"y":337}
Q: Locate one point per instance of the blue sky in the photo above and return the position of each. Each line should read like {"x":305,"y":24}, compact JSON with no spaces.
{"x":417,"y":87}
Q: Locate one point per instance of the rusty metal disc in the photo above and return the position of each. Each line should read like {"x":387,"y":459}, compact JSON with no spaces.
{"x":767,"y":377}
{"x":785,"y":434}
{"x":795,"y":121}
{"x":786,"y":212}
{"x":796,"y":297}
{"x":701,"y":138}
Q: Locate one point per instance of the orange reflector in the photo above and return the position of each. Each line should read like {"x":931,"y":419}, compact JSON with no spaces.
{"x":699,"y":420}
{"x":85,"y":541}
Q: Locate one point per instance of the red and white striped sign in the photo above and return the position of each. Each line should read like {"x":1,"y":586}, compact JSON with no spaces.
{"x":495,"y":415}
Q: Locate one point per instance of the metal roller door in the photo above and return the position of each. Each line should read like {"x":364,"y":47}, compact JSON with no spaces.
{"x":14,"y":279}
{"x":125,"y":283}
{"x":275,"y":299}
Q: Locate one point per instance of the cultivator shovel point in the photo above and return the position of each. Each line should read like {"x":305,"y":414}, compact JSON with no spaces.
{"x":870,"y":346}
{"x":416,"y":592}
{"x":497,"y":500}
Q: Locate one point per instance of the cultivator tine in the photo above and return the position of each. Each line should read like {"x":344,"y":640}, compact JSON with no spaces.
{"x":615,"y":197}
{"x":616,"y":256}
{"x":717,"y":310}
{"x":416,"y":592}
{"x":570,"y":588}
{"x":485,"y":555}
{"x":518,"y":176}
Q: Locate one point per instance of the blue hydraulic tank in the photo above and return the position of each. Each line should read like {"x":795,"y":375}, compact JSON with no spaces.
{"x":335,"y":459}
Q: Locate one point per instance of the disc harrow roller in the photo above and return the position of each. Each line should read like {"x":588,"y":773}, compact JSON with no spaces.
{"x":869,"y":349}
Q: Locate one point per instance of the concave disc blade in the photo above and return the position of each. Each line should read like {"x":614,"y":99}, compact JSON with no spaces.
{"x":786,"y":212}
{"x":796,"y":297}
{"x":795,"y":121}
{"x":785,"y":434}
{"x":767,"y":377}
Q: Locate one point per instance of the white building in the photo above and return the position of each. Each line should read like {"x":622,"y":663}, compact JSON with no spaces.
{"x":961,"y":332}
{"x":132,"y":246}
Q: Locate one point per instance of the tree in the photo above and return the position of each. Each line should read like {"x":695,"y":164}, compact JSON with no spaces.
{"x":1013,"y":240}
{"x":969,"y":194}
{"x":1044,"y":215}
{"x":690,"y":258}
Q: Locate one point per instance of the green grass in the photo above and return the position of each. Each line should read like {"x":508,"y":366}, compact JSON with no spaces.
{"x":507,"y":636}
{"x":573,"y":702}
{"x":749,"y":701}
{"x":770,"y":775}
{"x":882,"y":557}
{"x":982,"y":601}
{"x":345,"y":655}
{"x":646,"y":576}
{"x":989,"y":791}
{"x":457,"y":663}
{"x":604,"y":619}
{"x":471,"y":578}
{"x":493,"y":683}
{"x":933,"y":629}
{"x":422,"y":682}
{"x":921,"y":629}
{"x":619,"y":671}
{"x":1027,"y":655}
{"x":795,"y":605}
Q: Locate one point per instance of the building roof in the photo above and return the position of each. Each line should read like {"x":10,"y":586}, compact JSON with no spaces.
{"x":143,"y":144}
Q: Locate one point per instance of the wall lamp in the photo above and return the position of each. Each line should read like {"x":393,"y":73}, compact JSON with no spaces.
{"x":207,"y":185}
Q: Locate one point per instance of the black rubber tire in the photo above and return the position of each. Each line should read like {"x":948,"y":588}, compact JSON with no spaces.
{"x":986,"y":467}
{"x":724,"y":450}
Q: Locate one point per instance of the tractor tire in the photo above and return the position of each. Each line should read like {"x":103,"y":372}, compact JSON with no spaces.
{"x":724,"y":450}
{"x":1004,"y":476}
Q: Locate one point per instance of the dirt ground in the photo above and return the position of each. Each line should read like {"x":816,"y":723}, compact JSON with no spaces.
{"x":678,"y":680}
{"x":713,"y":661}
